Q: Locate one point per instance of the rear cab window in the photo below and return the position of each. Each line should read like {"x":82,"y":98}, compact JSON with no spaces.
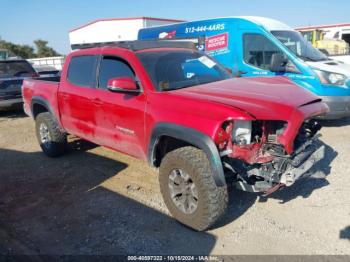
{"x":82,"y":71}
{"x":16,"y":69}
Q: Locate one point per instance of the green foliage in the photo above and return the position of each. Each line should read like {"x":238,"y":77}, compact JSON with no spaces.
{"x":43,"y":50}
{"x":24,"y":51}
{"x":27,"y":51}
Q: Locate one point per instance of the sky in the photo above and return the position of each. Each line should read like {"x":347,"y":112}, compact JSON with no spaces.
{"x":22,"y":21}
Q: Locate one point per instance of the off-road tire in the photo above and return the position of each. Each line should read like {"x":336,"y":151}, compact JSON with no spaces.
{"x":58,"y":140}
{"x":212,"y":200}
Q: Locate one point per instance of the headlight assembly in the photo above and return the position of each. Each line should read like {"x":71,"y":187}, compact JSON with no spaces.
{"x":330,"y":78}
{"x":242,"y":132}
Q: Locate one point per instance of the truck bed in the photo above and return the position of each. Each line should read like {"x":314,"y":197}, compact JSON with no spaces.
{"x":10,"y":88}
{"x":43,"y":90}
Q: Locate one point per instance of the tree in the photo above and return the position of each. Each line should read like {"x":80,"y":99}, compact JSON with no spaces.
{"x":42,"y":50}
{"x":24,"y":51}
{"x":27,"y":51}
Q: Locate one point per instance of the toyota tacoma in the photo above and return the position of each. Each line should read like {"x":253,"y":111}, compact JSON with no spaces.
{"x":168,"y":104}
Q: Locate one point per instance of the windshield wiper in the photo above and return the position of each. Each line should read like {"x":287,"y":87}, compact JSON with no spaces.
{"x":314,"y":60}
{"x":306,"y":58}
{"x":179,"y":87}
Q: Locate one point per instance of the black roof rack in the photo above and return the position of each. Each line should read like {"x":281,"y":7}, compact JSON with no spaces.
{"x":139,"y":45}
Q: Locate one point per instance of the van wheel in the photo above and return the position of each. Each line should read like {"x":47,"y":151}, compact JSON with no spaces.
{"x":189,"y":190}
{"x":52,"y":141}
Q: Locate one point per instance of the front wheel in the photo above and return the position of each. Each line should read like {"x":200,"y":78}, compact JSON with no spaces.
{"x":51,"y":139}
{"x":189,"y":190}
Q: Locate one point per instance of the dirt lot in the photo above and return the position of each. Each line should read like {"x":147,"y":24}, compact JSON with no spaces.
{"x":95,"y":201}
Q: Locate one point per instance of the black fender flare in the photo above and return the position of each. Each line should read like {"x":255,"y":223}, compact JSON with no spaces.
{"x":191,"y":136}
{"x":37,"y":100}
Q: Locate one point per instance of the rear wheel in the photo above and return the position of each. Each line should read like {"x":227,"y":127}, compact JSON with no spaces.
{"x":189,"y":190}
{"x":51,"y":139}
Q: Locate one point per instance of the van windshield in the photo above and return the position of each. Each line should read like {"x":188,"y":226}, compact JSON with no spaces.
{"x":170,"y":70}
{"x":299,"y":46}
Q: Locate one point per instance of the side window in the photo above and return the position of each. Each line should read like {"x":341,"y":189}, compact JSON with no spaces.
{"x":112,"y":67}
{"x":82,"y":71}
{"x":258,"y":50}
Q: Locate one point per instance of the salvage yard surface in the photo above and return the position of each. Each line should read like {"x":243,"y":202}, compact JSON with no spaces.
{"x":96,"y":201}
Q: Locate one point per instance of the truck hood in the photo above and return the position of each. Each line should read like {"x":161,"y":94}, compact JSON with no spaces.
{"x":332,"y":66}
{"x":261,"y":97}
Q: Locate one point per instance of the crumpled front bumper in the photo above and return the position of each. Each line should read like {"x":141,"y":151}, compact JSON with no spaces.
{"x":300,"y":168}
{"x":304,"y":158}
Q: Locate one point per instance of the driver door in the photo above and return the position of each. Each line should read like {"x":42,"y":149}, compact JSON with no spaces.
{"x":120,"y":115}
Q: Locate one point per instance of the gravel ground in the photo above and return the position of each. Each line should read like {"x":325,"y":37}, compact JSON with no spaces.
{"x":96,"y":201}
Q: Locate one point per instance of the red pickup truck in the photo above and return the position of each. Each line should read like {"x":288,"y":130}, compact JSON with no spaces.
{"x":178,"y":109}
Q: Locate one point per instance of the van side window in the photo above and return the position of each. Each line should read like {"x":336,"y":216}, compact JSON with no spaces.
{"x":112,"y":67}
{"x":82,"y":71}
{"x":258,"y":50}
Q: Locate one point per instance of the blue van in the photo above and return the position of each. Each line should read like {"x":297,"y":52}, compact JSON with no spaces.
{"x":257,"y":46}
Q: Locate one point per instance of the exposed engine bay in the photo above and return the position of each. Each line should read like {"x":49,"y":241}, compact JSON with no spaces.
{"x":253,"y":152}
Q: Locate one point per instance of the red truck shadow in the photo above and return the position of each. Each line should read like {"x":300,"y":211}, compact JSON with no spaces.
{"x":55,"y":207}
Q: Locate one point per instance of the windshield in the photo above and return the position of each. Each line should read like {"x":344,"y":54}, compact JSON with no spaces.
{"x":299,"y":46}
{"x":171,"y":70}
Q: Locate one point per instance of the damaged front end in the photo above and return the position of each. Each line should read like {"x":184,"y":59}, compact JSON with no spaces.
{"x":253,"y":153}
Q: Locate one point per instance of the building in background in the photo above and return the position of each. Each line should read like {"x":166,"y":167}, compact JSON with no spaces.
{"x":112,"y":30}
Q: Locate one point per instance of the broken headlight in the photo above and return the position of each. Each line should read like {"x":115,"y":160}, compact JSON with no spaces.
{"x":242,"y":132}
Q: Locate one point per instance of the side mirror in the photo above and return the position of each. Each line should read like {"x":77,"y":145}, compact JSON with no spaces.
{"x":122,"y":84}
{"x":278,"y":63}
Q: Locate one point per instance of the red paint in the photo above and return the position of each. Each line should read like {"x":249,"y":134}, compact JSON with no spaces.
{"x":126,"y":83}
{"x":124,"y":121}
{"x":216,"y":42}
